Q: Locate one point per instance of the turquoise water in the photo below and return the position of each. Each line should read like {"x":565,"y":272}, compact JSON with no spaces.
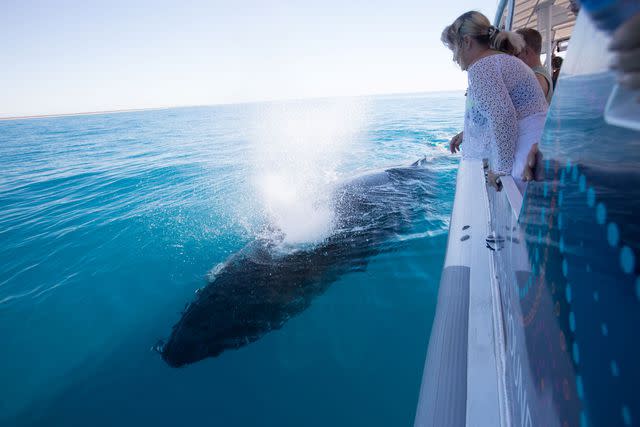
{"x":111,"y":222}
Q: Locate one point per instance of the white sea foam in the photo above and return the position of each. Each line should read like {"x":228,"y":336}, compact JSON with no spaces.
{"x":297,"y":152}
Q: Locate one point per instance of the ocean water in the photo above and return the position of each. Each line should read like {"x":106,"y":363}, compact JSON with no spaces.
{"x":111,"y":222}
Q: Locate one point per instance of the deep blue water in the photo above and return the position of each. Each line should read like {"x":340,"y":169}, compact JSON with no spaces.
{"x":111,"y":222}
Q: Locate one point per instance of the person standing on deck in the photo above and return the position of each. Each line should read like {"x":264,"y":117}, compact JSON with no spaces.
{"x":506,"y":108}
{"x":530,"y":55}
{"x":556,"y":64}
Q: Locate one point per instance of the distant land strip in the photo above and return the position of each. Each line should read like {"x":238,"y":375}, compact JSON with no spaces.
{"x":87,"y":113}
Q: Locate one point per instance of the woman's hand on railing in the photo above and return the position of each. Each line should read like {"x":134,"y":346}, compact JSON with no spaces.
{"x":454,"y":144}
{"x":494,"y":180}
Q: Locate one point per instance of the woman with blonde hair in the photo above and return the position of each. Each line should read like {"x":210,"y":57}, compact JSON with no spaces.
{"x":506,"y":107}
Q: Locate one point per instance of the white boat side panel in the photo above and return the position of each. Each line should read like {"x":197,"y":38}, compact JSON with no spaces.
{"x":513,"y":195}
{"x":483,"y":404}
{"x":466,"y":251}
{"x":462,"y":229}
{"x":443,"y":392}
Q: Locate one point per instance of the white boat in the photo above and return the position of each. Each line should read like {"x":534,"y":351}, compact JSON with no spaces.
{"x":539,"y":296}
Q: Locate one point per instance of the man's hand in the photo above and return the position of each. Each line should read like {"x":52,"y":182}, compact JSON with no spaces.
{"x":454,"y":144}
{"x":625,"y":43}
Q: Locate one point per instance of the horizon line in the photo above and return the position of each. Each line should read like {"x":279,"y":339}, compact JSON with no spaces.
{"x":140,"y":109}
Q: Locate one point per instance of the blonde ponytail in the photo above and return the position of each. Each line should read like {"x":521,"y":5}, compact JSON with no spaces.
{"x":476,"y":25}
{"x":507,"y":41}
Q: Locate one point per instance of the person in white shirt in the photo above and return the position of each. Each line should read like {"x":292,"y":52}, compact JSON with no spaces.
{"x":506,"y":108}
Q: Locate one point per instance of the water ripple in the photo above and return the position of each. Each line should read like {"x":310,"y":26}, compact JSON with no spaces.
{"x":107,"y":220}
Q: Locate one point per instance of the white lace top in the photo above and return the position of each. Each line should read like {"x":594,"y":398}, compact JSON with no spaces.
{"x":502,"y":91}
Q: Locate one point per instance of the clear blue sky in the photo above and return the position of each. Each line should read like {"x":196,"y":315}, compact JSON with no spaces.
{"x":74,"y":56}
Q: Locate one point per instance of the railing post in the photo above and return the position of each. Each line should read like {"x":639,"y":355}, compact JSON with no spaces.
{"x":509,"y":21}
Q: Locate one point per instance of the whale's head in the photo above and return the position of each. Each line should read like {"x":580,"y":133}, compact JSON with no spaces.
{"x":238,"y":305}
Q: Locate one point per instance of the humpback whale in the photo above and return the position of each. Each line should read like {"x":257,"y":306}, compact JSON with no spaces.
{"x":259,"y":288}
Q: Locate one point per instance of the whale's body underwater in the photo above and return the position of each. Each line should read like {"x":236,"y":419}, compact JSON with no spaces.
{"x":259,"y":288}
